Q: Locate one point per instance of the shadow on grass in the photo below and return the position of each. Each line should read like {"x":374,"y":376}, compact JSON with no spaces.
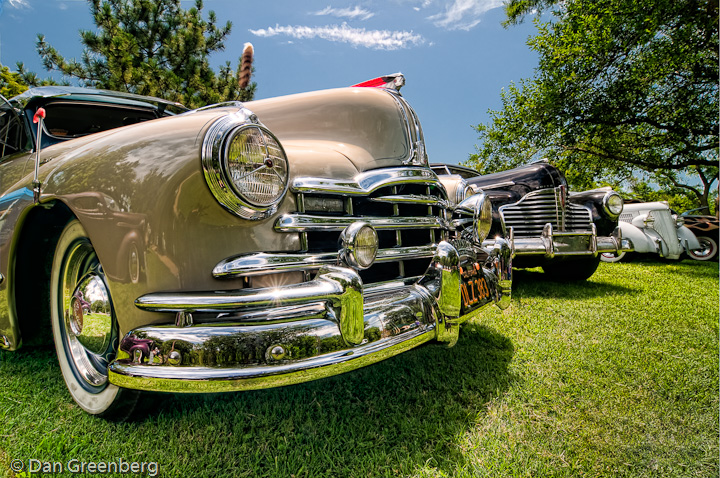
{"x":390,"y":418}
{"x":529,"y":283}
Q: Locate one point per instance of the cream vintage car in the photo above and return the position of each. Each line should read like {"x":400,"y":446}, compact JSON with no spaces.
{"x":234,"y":247}
{"x":654,"y":229}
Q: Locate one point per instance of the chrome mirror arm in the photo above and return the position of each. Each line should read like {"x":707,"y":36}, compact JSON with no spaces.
{"x":38,"y":118}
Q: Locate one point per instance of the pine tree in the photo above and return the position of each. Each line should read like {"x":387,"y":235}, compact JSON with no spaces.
{"x":153,"y":47}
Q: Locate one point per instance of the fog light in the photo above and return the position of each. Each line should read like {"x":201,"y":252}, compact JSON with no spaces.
{"x":358,"y":245}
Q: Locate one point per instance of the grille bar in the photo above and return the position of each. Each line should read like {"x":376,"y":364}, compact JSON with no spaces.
{"x":528,"y":216}
{"x":266,"y":263}
{"x":307,"y":222}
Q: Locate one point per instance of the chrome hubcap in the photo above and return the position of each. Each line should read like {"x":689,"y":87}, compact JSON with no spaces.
{"x":87,"y":314}
{"x":705,"y":248}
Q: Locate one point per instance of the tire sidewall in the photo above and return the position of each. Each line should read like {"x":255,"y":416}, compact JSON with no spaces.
{"x":614,"y":258}
{"x":714,"y":249}
{"x":93,"y":403}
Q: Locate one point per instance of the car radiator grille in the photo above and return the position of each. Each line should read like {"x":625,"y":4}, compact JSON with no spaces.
{"x":410,"y":220}
{"x":665,"y":225}
{"x":528,"y":216}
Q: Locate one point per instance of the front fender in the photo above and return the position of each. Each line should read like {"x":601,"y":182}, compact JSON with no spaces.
{"x":688,"y":239}
{"x":640,"y":239}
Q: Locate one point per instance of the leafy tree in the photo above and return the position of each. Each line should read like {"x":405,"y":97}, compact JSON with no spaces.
{"x":622,"y":87}
{"x":153,"y":47}
{"x":11,"y":82}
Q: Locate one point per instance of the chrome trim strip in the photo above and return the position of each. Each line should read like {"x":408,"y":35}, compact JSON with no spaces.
{"x":324,"y":287}
{"x":412,"y":199}
{"x":418,"y":153}
{"x":307,"y":222}
{"x":365,"y":183}
{"x":267,"y":262}
{"x":503,"y":184}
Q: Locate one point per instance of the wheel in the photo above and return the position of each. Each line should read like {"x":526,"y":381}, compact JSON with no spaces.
{"x":84,"y":326}
{"x":572,"y":269}
{"x":612,"y":256}
{"x":708,"y":249}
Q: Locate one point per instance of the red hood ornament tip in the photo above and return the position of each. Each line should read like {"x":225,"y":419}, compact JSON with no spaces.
{"x":390,"y":82}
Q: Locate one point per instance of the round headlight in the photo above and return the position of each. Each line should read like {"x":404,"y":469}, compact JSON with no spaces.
{"x":257,"y":166}
{"x":483,"y":217}
{"x":359,"y":245}
{"x":245,"y":166}
{"x":479,"y":207}
{"x":613,"y":203}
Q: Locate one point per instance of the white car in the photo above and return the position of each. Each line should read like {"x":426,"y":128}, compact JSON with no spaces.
{"x":654,"y":229}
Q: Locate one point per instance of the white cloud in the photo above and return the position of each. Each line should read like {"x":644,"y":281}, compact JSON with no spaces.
{"x":376,"y":39}
{"x":464,"y":14}
{"x":18,"y":4}
{"x":351,"y":13}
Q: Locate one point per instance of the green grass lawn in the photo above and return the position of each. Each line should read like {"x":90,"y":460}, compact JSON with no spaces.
{"x":617,"y":376}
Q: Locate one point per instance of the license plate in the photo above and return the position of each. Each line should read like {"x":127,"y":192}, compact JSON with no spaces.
{"x":474,"y":288}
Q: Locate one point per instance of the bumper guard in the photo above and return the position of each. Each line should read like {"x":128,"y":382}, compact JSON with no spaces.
{"x":576,"y":243}
{"x":302,"y":332}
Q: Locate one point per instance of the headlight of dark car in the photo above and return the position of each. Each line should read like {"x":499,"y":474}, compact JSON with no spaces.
{"x":479,"y":208}
{"x":613,"y":204}
{"x":245,"y":166}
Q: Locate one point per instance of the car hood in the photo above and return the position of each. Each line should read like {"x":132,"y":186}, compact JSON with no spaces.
{"x":365,"y":125}
{"x":517,"y":182}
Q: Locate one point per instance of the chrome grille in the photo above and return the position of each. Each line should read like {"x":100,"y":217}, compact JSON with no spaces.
{"x":407,"y":209}
{"x":664,"y":224}
{"x":528,"y":216}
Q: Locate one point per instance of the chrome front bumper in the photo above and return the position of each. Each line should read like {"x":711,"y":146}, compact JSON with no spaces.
{"x":561,"y":243}
{"x":332,"y":324}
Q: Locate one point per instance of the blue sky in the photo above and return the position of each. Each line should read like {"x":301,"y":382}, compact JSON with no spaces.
{"x":455,"y":54}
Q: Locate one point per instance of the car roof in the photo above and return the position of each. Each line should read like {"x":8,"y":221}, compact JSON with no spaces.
{"x":455,"y":166}
{"x":92,"y":94}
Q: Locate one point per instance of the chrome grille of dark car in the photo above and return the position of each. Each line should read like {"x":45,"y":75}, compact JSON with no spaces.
{"x":409,"y":218}
{"x":528,"y":216}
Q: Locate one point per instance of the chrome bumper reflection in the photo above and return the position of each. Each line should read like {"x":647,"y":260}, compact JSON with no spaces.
{"x":561,"y":243}
{"x":305,"y":331}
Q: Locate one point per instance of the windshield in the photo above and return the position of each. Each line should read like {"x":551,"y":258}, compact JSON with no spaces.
{"x":72,"y":119}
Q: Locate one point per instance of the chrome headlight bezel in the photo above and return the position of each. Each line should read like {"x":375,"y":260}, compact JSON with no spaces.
{"x":479,"y":207}
{"x":462,"y":191}
{"x":611,"y":207}
{"x":215,"y":153}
